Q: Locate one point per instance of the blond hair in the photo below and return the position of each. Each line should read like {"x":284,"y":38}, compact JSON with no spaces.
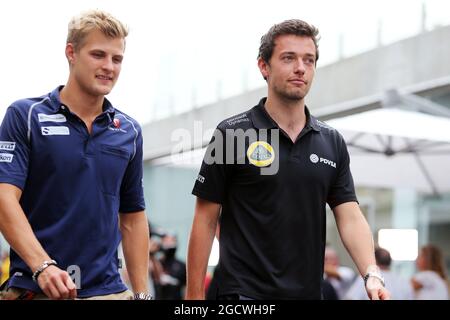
{"x":80,"y":26}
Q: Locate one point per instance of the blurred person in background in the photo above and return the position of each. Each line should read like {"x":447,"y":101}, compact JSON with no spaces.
{"x":340,"y":277}
{"x":328,"y":291}
{"x":399,"y":287}
{"x":431,"y":282}
{"x":155,"y":269}
{"x":172,"y":279}
{"x":71,"y":179}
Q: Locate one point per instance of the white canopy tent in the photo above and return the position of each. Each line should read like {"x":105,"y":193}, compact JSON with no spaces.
{"x":392,"y":147}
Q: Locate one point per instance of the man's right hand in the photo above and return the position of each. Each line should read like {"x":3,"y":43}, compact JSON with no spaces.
{"x":57,"y":284}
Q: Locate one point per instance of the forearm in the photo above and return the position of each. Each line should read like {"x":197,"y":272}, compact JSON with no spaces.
{"x":135,"y":244}
{"x":199,"y":249}
{"x":17,"y":230}
{"x":357,"y":237}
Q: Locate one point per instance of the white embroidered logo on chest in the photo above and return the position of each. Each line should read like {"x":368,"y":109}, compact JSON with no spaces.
{"x":315,"y":159}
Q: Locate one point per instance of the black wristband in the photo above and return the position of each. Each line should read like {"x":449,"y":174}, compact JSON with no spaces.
{"x":42,"y":267}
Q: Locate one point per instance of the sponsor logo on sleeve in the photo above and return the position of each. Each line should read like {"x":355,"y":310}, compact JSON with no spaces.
{"x":6,"y":157}
{"x":51,"y":117}
{"x":238,"y":119}
{"x":323,"y":125}
{"x":200,"y":178}
{"x":55,"y":131}
{"x":7,"y":145}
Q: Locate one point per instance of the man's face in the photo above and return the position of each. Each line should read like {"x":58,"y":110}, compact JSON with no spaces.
{"x":96,"y":66}
{"x":291,"y":68}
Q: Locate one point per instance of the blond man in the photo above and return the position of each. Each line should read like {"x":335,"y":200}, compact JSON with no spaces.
{"x":71,"y":179}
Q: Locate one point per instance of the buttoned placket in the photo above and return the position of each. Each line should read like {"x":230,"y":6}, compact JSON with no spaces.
{"x":89,"y":144}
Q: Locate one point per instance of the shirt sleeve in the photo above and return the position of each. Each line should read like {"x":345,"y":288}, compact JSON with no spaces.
{"x":343,"y":189}
{"x":132,"y":190}
{"x":213,"y":178}
{"x":14,"y":149}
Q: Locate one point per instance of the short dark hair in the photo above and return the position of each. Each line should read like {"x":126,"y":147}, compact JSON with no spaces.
{"x":288,"y":27}
{"x":382,"y":257}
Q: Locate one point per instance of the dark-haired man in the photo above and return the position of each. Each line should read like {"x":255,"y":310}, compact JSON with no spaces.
{"x":271,"y":171}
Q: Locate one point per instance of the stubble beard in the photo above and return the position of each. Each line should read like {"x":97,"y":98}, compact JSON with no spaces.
{"x":293,"y":95}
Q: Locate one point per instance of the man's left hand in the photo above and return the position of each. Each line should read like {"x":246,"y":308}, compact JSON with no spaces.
{"x":376,"y":291}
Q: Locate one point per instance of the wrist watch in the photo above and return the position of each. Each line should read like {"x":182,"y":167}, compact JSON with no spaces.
{"x":375,"y":275}
{"x":142,"y":296}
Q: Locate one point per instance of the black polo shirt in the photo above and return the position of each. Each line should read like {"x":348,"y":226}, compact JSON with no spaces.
{"x":273,"y":226}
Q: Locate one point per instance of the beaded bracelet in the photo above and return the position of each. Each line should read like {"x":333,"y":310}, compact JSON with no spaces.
{"x":42,"y":267}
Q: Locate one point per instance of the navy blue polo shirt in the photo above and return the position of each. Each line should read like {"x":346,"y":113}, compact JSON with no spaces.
{"x":73,"y":185}
{"x":273,"y":226}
